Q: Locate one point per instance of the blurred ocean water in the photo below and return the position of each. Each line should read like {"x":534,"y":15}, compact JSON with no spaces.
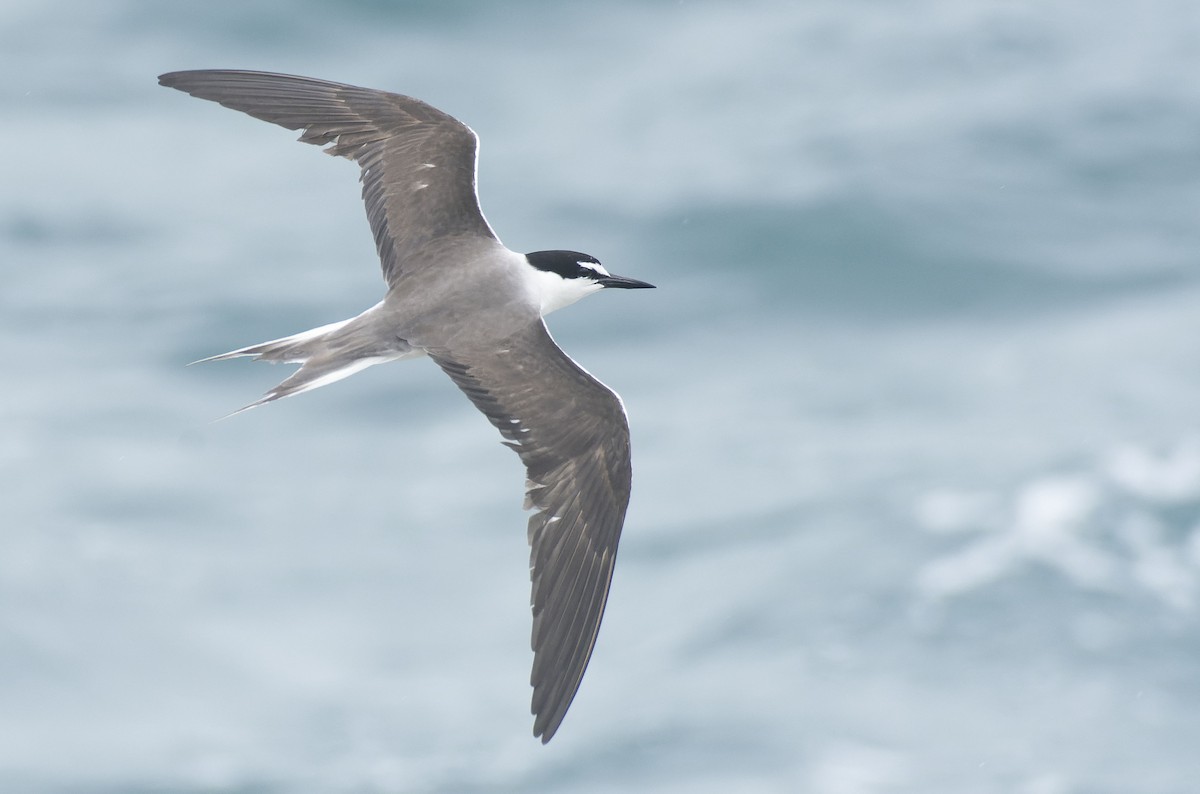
{"x":917,"y":452}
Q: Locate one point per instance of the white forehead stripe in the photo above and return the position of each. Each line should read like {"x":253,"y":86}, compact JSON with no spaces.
{"x":594,"y":266}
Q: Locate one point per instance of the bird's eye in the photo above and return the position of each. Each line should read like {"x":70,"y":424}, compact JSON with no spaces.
{"x":587,"y":268}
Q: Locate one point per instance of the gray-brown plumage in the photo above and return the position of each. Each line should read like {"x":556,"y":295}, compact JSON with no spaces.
{"x":457,"y":294}
{"x":576,"y":455}
{"x":393,"y":138}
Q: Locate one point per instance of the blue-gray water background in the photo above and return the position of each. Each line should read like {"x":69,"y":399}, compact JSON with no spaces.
{"x":915,"y":406}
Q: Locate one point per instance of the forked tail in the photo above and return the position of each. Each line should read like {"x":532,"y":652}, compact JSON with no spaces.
{"x":326,"y":354}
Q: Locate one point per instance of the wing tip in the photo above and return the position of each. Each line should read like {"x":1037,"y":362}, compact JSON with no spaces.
{"x":545,"y":726}
{"x":181,"y":78}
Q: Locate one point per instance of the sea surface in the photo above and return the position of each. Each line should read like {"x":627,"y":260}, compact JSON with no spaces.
{"x":915,"y":407}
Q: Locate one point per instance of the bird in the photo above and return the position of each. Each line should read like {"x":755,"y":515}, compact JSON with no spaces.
{"x":457,"y":295}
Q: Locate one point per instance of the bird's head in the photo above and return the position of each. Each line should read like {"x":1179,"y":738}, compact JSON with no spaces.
{"x":563,"y":277}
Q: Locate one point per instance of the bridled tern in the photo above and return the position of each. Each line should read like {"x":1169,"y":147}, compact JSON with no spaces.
{"x":456,"y":294}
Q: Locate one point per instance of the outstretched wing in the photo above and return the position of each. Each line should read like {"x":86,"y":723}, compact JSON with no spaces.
{"x":571,"y":432}
{"x":418,"y":163}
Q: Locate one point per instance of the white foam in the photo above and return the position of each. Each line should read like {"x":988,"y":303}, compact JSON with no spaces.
{"x":1170,"y":477}
{"x":1047,"y":523}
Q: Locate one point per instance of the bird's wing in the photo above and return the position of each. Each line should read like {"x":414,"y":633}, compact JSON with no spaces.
{"x":573,"y":437}
{"x":418,"y":163}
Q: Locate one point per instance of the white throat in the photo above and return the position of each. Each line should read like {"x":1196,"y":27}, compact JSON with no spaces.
{"x":552,"y":292}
